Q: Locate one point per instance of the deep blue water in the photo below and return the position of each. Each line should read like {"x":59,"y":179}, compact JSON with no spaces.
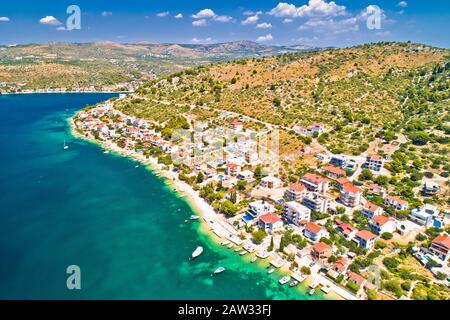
{"x":120,"y":224}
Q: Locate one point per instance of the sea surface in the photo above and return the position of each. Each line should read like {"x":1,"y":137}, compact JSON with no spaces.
{"x":121,"y":224}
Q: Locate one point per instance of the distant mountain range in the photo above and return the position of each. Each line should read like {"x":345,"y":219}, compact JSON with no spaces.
{"x":41,"y":66}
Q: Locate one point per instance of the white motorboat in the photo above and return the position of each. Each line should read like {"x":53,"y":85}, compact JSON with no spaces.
{"x":65,"y":145}
{"x":193,"y":217}
{"x":271,"y":270}
{"x":198,"y":251}
{"x":284,"y":280}
{"x":219,"y":270}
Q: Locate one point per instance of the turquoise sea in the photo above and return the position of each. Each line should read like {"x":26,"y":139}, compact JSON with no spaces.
{"x":122,"y":225}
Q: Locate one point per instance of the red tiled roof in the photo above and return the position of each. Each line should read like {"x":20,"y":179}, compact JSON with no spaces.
{"x":342,"y":181}
{"x":232,"y":165}
{"x":371,"y":206}
{"x":321,"y":246}
{"x":366,"y":235}
{"x":356,"y":278}
{"x":381,"y":220}
{"x":314,"y":178}
{"x":442,"y":240}
{"x":270,"y":218}
{"x":334,"y":170}
{"x":395,"y":199}
{"x":347,"y":228}
{"x":348,"y":187}
{"x":374,"y":157}
{"x":297,"y":187}
{"x":314,"y":228}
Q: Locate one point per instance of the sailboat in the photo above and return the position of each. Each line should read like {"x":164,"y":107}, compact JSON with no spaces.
{"x":65,"y":145}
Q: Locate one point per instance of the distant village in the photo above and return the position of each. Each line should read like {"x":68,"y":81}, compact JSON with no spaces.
{"x":318,"y":227}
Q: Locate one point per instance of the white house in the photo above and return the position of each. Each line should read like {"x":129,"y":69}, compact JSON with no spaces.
{"x":295,"y":192}
{"x":370,"y":210}
{"x":314,"y":232}
{"x":424,"y":215}
{"x":380,"y":224}
{"x":314,"y":182}
{"x":365,"y":239}
{"x":295,"y":212}
{"x":270,"y":182}
{"x":259,"y":207}
{"x":246,"y":175}
{"x":316,"y":202}
{"x":270,"y":222}
{"x":396,"y":203}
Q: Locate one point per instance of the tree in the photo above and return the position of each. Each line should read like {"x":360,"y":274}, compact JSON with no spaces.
{"x":227,"y":207}
{"x":200,"y":177}
{"x":305,"y":270}
{"x":387,"y":235}
{"x":259,"y":236}
{"x":366,"y":174}
{"x":271,"y":246}
{"x":241,"y":184}
{"x":391,"y":263}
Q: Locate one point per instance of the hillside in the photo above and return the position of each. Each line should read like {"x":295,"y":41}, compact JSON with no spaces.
{"x":41,"y":66}
{"x":381,"y":97}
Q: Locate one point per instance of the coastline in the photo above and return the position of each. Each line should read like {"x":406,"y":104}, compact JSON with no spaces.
{"x":61,"y":92}
{"x":212,"y":224}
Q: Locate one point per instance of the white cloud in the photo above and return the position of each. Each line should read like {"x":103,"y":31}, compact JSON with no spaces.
{"x":224,"y":19}
{"x":331,"y":26}
{"x":402,"y":4}
{"x":287,"y":20}
{"x":314,"y":8}
{"x":205,"y":13}
{"x":267,"y":37}
{"x":250,"y":20}
{"x":162,"y":14}
{"x":50,"y":20}
{"x":106,"y":13}
{"x":61,"y":28}
{"x":4,"y":19}
{"x":200,"y":23}
{"x":178,"y":16}
{"x":248,"y":13}
{"x":264,"y":25}
{"x":199,"y":40}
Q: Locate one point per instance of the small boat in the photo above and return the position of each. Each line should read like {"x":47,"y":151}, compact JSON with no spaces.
{"x":198,"y":251}
{"x":237,"y":249}
{"x":271,"y":270}
{"x":106,"y":152}
{"x":225,"y":243}
{"x":253,"y":260}
{"x":284,"y":280}
{"x":293,"y":283}
{"x":230,"y":246}
{"x":311,"y":292}
{"x":136,"y":166}
{"x":219,"y":270}
{"x":193,"y":217}
{"x":65,"y":145}
{"x":243,"y":252}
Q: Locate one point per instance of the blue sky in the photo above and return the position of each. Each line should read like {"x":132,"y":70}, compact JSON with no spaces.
{"x":286,"y":22}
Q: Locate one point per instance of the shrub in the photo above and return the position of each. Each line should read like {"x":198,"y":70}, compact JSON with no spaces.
{"x":387,"y":235}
